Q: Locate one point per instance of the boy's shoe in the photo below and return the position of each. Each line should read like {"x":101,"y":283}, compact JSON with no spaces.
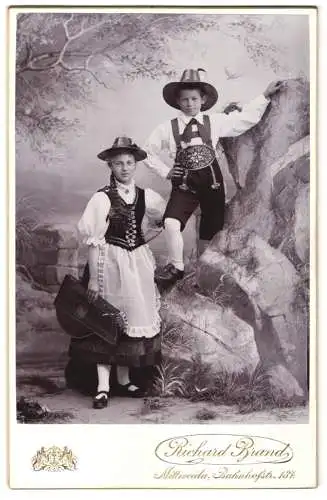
{"x":168,"y":276}
{"x":101,"y":402}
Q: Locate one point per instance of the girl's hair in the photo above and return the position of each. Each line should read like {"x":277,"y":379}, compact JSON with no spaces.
{"x":113,"y":184}
{"x":113,"y":190}
{"x":123,"y":151}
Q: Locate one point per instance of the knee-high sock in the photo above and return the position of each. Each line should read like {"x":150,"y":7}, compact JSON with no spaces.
{"x":175,"y":242}
{"x":103,"y":377}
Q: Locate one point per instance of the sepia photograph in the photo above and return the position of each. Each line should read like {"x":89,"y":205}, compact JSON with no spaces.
{"x":163,"y":246}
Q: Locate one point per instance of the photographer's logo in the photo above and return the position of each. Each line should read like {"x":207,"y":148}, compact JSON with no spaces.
{"x":54,"y":459}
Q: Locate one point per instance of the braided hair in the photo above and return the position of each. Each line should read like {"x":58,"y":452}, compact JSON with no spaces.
{"x":117,"y":205}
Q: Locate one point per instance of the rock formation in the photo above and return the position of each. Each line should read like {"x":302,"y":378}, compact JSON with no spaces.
{"x":249,"y":304}
{"x":257,"y":268}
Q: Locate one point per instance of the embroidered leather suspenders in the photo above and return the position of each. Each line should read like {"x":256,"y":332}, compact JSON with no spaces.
{"x":194,"y":157}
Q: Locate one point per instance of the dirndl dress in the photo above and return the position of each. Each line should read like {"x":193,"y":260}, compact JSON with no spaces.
{"x":112,"y":220}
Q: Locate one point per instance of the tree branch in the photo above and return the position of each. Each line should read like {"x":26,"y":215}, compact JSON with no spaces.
{"x":84,"y":68}
{"x":65,"y":25}
{"x":30,"y":63}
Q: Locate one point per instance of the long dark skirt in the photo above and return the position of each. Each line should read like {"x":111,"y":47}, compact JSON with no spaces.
{"x":140,"y":355}
{"x":132,"y":352}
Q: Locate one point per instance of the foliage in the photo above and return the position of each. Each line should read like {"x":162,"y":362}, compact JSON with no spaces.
{"x":205,"y":414}
{"x":222,"y":295}
{"x":152,"y":404}
{"x":64,"y":58}
{"x":197,"y":378}
{"x":302,"y":290}
{"x":32,"y":412}
{"x":173,"y":337}
{"x":255,"y":37}
{"x":168,"y":382}
{"x":250,"y":391}
{"x":29,"y":213}
{"x":27,"y":217}
{"x":170,"y":336}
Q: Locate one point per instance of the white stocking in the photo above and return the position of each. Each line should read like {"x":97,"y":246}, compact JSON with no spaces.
{"x":175,"y":242}
{"x":103,"y":377}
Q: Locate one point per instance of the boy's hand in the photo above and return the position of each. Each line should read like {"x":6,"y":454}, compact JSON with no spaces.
{"x":155,"y":224}
{"x":92,"y":290}
{"x":176,"y":171}
{"x":232,"y":106}
{"x":159,"y":223}
{"x":272,"y":88}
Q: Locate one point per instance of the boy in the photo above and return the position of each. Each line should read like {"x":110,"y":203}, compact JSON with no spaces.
{"x":191,"y":140}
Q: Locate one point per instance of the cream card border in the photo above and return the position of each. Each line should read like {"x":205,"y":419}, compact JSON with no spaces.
{"x":123,"y":456}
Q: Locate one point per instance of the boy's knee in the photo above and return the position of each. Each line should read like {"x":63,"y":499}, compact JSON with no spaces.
{"x":172,"y":224}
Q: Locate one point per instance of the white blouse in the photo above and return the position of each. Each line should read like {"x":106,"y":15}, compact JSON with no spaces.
{"x":92,"y":226}
{"x":222,"y":125}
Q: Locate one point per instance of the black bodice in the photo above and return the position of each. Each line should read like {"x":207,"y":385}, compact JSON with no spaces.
{"x":125,"y":226}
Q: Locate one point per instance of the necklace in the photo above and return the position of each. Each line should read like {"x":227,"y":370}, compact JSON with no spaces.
{"x":125,"y":189}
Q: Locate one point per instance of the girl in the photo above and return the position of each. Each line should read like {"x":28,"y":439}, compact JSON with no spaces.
{"x":121,"y":270}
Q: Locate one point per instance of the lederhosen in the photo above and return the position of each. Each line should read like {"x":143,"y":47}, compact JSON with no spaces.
{"x":125,"y":231}
{"x":205,"y":186}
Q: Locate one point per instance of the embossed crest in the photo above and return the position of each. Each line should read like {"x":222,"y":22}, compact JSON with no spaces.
{"x":54,"y":459}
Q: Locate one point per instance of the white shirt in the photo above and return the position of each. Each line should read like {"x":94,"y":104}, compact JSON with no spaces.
{"x":222,"y":125}
{"x":92,"y":226}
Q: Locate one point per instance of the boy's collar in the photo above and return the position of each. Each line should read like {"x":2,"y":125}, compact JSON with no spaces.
{"x":185,"y":119}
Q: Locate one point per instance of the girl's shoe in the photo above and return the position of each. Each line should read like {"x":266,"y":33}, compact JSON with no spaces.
{"x":127,"y":391}
{"x":100,"y":402}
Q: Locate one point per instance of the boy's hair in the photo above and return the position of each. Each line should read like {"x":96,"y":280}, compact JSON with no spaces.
{"x":190,"y":86}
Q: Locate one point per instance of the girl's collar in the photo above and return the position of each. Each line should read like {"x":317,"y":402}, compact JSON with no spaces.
{"x":126,"y":188}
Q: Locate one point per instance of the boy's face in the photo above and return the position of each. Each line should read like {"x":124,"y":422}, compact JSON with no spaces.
{"x":190,"y":101}
{"x":123,"y":167}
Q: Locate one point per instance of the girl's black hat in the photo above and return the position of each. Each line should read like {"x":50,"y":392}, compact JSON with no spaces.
{"x":123,"y":145}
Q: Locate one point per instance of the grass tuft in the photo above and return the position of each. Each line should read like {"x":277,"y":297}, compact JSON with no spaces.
{"x":168,"y":382}
{"x":205,"y":414}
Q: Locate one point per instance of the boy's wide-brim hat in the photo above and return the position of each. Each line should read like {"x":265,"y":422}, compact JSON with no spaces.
{"x":123,"y":145}
{"x":190,"y":78}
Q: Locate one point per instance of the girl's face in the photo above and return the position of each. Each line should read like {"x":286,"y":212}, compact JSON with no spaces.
{"x":123,"y":167}
{"x":190,"y":101}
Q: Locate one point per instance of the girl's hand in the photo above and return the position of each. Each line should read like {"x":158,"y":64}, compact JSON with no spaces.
{"x":93,"y":290}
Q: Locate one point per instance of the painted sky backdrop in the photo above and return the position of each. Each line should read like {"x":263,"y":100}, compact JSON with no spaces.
{"x":238,"y":61}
